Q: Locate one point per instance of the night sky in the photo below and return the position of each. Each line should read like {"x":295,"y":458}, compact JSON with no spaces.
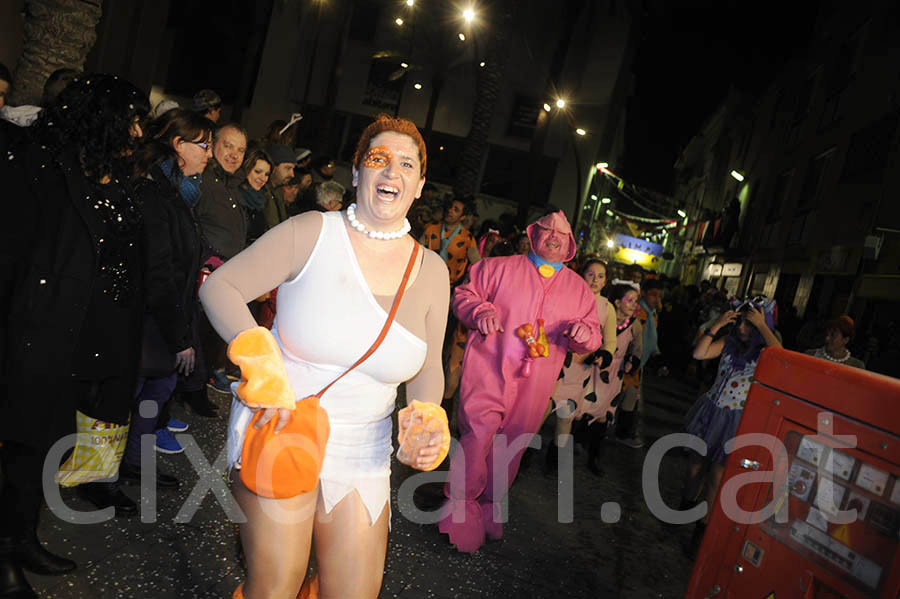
{"x":690,"y":53}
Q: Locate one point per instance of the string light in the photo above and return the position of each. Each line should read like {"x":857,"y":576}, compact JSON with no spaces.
{"x":410,"y":2}
{"x":580,"y":131}
{"x":546,"y":107}
{"x":605,"y":201}
{"x":404,"y":65}
{"x":418,"y":86}
{"x":398,"y":21}
{"x":560,"y":103}
{"x":462,"y":36}
{"x":469,"y":15}
{"x":481,"y":64}
{"x":682,"y":213}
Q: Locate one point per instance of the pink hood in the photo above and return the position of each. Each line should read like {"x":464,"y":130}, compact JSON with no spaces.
{"x":558,"y":222}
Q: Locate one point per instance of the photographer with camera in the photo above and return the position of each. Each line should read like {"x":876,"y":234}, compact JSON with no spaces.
{"x":747,"y":330}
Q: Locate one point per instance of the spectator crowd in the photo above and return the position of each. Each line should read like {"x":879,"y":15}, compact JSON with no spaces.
{"x":118,"y":211}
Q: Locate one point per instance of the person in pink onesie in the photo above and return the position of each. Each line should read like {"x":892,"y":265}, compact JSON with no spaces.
{"x":508,"y":371}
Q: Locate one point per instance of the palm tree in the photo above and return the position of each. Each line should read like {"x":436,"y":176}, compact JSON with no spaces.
{"x":58,"y":33}
{"x":488,"y":84}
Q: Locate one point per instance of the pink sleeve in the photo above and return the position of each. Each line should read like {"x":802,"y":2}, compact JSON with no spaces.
{"x":471,"y":299}
{"x":587,"y":308}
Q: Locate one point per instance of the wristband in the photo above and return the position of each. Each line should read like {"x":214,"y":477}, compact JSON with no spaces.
{"x":710,"y":333}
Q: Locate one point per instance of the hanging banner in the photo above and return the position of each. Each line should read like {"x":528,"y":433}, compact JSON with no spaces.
{"x":631,"y":250}
{"x":641,"y":245}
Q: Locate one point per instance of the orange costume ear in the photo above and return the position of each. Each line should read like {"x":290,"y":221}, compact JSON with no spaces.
{"x":264,"y":381}
{"x":424,"y":420}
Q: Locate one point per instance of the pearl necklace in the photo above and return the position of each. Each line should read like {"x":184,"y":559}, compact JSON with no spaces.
{"x":351,"y":216}
{"x":821,"y":353}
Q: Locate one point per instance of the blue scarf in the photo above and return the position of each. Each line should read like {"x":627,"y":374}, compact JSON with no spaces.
{"x":445,"y":243}
{"x":538,"y":262}
{"x":254,"y":200}
{"x":188,"y":187}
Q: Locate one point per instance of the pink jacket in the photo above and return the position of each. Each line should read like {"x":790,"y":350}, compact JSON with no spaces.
{"x":513,"y":289}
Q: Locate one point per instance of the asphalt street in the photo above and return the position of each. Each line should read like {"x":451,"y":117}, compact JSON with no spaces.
{"x":612,"y":547}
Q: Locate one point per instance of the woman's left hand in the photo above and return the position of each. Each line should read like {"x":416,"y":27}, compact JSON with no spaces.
{"x":756,"y":317}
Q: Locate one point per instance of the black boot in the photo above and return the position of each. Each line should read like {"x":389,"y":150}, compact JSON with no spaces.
{"x":200,"y":404}
{"x":13,"y":584}
{"x":32,"y":556}
{"x":595,"y":448}
{"x":626,"y":429}
{"x":693,"y":545}
{"x":551,"y":465}
{"x":106,"y":494}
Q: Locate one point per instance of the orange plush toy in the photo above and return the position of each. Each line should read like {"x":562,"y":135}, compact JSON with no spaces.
{"x":423,"y":421}
{"x":288,"y":463}
{"x":264,"y":381}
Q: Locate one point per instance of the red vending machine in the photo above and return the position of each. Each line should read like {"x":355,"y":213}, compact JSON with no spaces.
{"x":831,"y":440}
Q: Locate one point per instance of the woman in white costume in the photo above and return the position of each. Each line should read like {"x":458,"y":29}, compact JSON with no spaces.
{"x":337,"y":274}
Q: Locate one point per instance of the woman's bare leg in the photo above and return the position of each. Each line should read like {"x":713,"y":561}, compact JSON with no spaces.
{"x":350,"y":552}
{"x":276,"y":548}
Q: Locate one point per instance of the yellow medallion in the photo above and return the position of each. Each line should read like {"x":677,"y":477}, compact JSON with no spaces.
{"x":546,"y":270}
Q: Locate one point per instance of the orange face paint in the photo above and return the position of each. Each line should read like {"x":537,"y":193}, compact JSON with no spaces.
{"x":378,"y":157}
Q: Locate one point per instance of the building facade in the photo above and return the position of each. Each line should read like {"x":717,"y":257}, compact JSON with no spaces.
{"x":818,"y":223}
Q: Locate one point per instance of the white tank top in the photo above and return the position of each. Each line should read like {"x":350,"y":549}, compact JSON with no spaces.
{"x":328,"y":318}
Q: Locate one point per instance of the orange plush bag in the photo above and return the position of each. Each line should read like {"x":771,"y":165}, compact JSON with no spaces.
{"x":289,"y":463}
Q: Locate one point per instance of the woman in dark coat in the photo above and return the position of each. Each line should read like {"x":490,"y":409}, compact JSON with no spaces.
{"x":177,"y":146}
{"x":71,"y":297}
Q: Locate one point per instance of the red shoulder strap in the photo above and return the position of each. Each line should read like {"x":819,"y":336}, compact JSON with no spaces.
{"x":387,"y":325}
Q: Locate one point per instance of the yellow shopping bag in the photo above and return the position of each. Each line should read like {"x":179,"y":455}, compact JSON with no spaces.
{"x":97,"y":454}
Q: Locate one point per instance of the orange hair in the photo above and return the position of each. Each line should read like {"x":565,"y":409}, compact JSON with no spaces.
{"x":384,"y":123}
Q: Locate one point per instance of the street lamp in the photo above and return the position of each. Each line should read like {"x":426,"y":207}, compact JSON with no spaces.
{"x":469,"y":15}
{"x":609,"y":242}
{"x":560,"y":103}
{"x":410,"y":2}
{"x":737,"y":175}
